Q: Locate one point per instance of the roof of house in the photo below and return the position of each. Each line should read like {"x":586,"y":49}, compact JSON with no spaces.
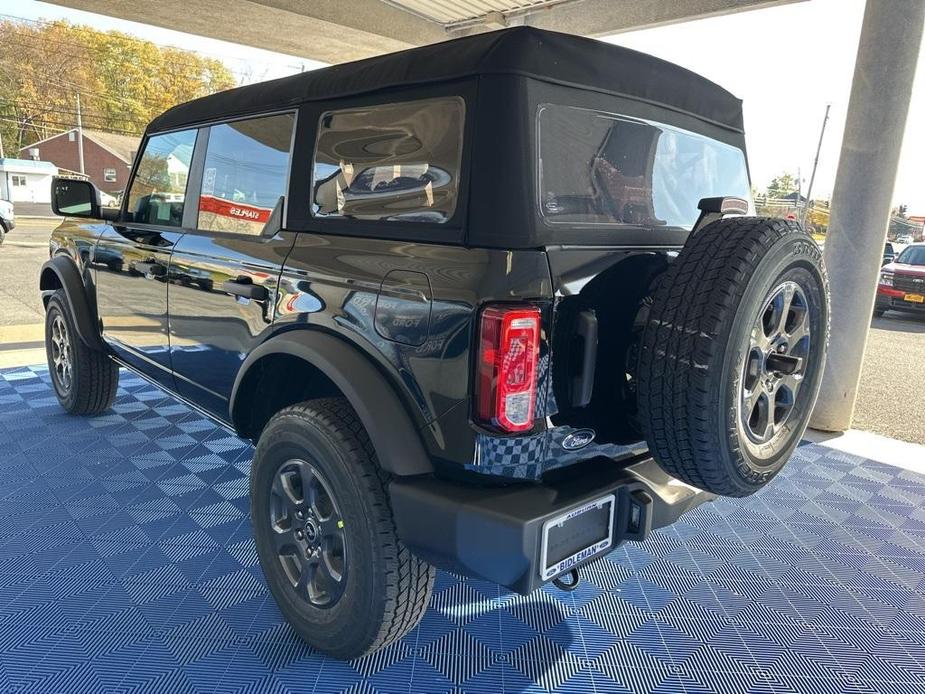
{"x":122,"y":146}
{"x":547,"y":56}
{"x":28,"y":166}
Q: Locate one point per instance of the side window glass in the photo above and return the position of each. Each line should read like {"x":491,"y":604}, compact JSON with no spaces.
{"x":158,"y":191}
{"x":389,"y":162}
{"x":245,"y":173}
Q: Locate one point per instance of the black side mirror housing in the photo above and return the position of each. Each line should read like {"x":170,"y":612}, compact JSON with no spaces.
{"x":712,"y":209}
{"x":74,"y":198}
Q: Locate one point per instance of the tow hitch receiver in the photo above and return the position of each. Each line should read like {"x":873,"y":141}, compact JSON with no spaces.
{"x":573,"y":583}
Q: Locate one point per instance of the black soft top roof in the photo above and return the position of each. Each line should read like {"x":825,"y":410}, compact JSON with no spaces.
{"x":543,"y":55}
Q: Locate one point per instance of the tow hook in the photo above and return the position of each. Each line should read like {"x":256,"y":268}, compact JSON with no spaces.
{"x":571,"y":585}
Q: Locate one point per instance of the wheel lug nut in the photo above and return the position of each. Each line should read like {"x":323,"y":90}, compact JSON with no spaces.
{"x":298,"y":534}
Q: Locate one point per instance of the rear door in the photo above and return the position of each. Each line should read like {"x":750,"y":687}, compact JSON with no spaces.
{"x":224,"y":272}
{"x":132,"y":256}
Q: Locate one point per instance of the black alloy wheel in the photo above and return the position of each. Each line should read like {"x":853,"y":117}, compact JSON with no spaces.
{"x":309,"y":533}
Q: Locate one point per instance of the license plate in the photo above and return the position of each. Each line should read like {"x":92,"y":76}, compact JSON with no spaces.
{"x":575,"y":535}
{"x":914,"y":298}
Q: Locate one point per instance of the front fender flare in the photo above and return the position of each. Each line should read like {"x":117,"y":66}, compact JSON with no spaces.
{"x":390,"y":428}
{"x":71,"y":282}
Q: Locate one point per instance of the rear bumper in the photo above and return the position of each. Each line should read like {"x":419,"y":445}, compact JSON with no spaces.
{"x":888,"y":298}
{"x":496,"y":533}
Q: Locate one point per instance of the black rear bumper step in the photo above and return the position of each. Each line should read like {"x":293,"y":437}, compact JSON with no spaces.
{"x":495,"y":533}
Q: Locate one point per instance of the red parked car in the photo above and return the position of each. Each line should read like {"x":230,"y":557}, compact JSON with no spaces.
{"x":902,"y":282}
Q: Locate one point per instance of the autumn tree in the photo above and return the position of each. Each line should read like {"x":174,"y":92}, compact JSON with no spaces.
{"x":123,"y":82}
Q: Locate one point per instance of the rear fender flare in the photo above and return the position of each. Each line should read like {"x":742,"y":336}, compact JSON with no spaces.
{"x":391,"y":429}
{"x":70,"y":280}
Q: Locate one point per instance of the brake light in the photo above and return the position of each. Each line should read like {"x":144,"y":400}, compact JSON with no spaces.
{"x":509,"y":348}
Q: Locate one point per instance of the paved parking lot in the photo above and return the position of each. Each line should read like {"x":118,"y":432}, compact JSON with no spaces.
{"x":891,"y":401}
{"x":21,"y":256}
{"x":892,"y":396}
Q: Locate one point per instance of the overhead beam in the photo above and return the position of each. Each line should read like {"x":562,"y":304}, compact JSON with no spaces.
{"x":331,"y":32}
{"x":337,"y":31}
{"x":607,"y":17}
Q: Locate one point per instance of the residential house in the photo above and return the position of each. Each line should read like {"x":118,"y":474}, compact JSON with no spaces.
{"x":107,"y":156}
{"x":26,"y":181}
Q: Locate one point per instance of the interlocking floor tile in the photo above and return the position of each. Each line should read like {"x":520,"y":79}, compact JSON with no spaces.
{"x":127,"y":565}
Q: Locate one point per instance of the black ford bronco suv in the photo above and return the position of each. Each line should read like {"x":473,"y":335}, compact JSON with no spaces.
{"x":480,"y":305}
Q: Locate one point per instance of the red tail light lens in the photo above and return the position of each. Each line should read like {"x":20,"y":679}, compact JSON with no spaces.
{"x":509,"y":348}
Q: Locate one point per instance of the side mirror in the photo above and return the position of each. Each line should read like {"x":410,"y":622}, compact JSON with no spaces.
{"x":712,"y":209}
{"x":73,"y":198}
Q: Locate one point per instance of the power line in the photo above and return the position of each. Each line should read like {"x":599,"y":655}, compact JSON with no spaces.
{"x":67,"y":125}
{"x":68,"y":111}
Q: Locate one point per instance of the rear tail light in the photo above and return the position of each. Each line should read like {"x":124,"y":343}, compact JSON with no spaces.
{"x":509,"y":348}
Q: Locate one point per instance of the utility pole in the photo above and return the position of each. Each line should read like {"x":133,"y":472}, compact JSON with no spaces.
{"x":888,"y":52}
{"x":80,"y":136}
{"x":812,"y":177}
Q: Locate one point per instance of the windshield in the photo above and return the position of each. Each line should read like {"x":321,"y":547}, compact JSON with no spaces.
{"x":914,"y":255}
{"x":602,"y":168}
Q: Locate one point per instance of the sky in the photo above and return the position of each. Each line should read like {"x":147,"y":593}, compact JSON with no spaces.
{"x":786,"y":63}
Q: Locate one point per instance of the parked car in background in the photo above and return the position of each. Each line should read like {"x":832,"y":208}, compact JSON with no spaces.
{"x":889,"y":252}
{"x":902,"y":282}
{"x":108,"y":200}
{"x":905,"y":239}
{"x":7,"y":218}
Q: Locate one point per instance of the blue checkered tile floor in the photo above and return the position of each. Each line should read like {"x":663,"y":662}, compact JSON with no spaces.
{"x":126,"y":564}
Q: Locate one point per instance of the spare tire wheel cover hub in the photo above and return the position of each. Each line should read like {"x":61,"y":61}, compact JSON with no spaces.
{"x":773,"y":367}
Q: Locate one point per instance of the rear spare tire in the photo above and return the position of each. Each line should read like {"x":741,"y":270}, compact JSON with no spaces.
{"x":732,"y":353}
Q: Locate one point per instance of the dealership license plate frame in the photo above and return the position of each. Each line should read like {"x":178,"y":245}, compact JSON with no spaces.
{"x":600,"y":545}
{"x":914,"y":298}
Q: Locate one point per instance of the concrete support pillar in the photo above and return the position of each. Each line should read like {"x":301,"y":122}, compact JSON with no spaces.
{"x":887,"y":54}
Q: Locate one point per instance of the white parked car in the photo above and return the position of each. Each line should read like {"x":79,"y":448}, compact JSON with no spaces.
{"x":7,"y":218}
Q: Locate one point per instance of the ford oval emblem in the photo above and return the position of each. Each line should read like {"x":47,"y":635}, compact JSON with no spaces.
{"x":578,"y":439}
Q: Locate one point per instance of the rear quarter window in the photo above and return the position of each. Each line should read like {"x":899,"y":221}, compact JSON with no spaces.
{"x":598,"y":168}
{"x":389,"y":162}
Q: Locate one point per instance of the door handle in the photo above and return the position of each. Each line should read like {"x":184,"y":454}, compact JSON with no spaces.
{"x":155,"y":269}
{"x":247,"y":290}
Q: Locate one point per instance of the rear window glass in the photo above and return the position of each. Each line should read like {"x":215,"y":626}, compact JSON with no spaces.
{"x":389,"y":162}
{"x":606,"y":169}
{"x":245,"y":173}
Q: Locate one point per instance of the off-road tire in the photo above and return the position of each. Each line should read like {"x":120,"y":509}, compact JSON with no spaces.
{"x":387,"y":588}
{"x":696,"y":340}
{"x":94,"y":376}
{"x":3,"y":231}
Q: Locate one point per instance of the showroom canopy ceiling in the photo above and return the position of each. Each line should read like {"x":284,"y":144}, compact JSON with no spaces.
{"x":334,"y":31}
